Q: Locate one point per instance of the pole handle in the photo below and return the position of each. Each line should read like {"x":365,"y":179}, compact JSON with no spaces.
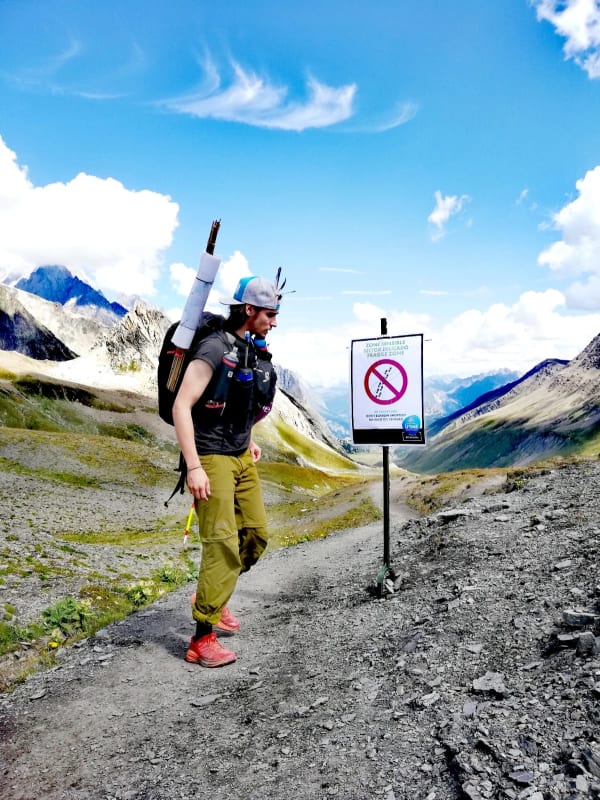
{"x":212,"y":237}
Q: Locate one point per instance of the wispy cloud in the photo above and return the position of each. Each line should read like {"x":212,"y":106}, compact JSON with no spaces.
{"x":578,"y":21}
{"x":445,"y":207}
{"x":255,"y":100}
{"x":402,"y":114}
{"x":45,"y":73}
{"x":64,"y":73}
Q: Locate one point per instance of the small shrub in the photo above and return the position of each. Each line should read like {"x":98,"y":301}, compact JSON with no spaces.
{"x":67,"y":615}
{"x":140,"y":594}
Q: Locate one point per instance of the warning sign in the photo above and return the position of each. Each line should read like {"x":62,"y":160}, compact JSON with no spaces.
{"x":387,"y":390}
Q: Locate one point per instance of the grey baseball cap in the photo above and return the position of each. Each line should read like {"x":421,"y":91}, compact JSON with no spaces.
{"x":256,"y":291}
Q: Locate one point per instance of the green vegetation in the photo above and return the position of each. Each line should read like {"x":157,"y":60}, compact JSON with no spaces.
{"x":36,"y":404}
{"x":69,"y":619}
{"x":428,"y":494}
{"x":67,"y":616}
{"x":348,"y":506}
{"x":73,"y":479}
{"x":293,"y":478}
{"x":305,"y":529}
{"x":132,"y":366}
{"x":286,"y":445}
{"x":93,"y":459}
{"x":493,"y":442}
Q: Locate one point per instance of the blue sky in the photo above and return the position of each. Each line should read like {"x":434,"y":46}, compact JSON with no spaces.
{"x":433,"y":162}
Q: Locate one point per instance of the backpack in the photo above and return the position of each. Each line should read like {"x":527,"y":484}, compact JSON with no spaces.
{"x":209,"y":323}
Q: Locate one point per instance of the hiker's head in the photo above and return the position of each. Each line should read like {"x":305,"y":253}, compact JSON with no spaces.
{"x":254,"y":305}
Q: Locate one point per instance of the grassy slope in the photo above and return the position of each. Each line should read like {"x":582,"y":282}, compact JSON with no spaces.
{"x":70,"y":442}
{"x":502,"y":442}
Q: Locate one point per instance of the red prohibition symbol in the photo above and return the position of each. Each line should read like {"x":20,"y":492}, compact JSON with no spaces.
{"x":388,"y":378}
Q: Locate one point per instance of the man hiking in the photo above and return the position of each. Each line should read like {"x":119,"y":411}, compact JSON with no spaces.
{"x":228,"y":385}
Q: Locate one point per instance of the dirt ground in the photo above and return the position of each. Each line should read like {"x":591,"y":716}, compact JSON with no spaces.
{"x":478,"y":677}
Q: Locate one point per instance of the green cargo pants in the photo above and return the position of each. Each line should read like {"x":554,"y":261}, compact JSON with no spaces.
{"x":233,"y":531}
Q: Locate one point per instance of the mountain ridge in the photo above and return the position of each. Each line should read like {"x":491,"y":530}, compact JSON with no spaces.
{"x":553,"y":410}
{"x":20,"y":331}
{"x":58,"y":284}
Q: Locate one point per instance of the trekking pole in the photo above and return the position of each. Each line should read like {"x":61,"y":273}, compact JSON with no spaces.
{"x":188,"y":525}
{"x":194,"y":305}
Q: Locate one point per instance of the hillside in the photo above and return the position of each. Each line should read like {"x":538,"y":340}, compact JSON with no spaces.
{"x":554,"y":409}
{"x":20,"y":331}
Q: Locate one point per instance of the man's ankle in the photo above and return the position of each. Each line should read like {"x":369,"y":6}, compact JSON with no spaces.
{"x":202,"y":629}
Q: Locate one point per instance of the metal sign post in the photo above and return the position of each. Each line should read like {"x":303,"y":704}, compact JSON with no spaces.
{"x":385,"y":569}
{"x":386,"y":376}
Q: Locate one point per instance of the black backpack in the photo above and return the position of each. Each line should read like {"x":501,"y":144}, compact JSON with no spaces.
{"x":210,"y":323}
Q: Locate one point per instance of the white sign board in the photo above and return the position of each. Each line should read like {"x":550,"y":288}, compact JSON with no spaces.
{"x":386,"y":376}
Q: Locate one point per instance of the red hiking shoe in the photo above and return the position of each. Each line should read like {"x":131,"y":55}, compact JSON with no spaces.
{"x":228,"y":622}
{"x":208,"y":652}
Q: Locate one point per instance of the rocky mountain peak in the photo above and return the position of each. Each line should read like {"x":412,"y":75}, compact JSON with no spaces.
{"x":19,"y":331}
{"x":589,"y":358}
{"x":56,"y":283}
{"x":135,"y":341}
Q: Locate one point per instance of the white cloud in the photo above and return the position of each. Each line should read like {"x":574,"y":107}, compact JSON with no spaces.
{"x":584,"y":296}
{"x":231,"y":272}
{"x":110,"y":235}
{"x":182,"y":278}
{"x":445,"y":207}
{"x":577,"y":21}
{"x":578,"y":252}
{"x":254,"y":100}
{"x":322,"y":356}
{"x":516,"y":337}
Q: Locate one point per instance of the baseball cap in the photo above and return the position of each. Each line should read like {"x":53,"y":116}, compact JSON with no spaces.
{"x":256,"y":291}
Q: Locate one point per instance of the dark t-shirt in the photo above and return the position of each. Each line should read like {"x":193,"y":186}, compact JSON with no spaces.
{"x":222,"y":431}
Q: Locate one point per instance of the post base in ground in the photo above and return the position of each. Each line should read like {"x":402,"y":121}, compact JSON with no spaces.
{"x":385,"y":581}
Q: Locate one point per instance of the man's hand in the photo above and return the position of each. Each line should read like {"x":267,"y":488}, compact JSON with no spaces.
{"x":198,"y":483}
{"x":255,"y":451}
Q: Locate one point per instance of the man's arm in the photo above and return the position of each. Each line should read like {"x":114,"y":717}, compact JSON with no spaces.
{"x":196,"y":379}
